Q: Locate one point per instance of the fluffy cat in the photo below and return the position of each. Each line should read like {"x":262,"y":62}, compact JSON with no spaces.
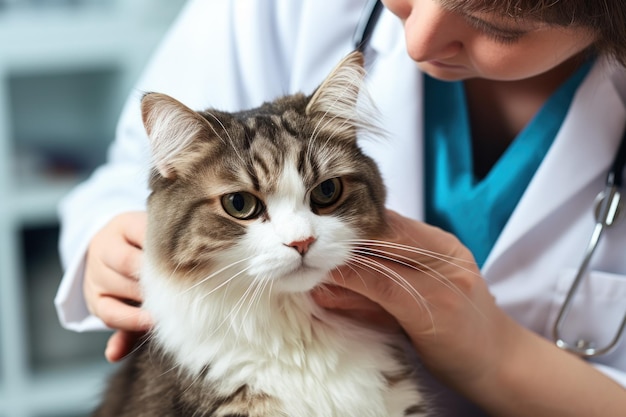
{"x":248,"y":212}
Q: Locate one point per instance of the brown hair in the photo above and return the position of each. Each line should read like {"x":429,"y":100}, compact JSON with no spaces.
{"x":606,"y":18}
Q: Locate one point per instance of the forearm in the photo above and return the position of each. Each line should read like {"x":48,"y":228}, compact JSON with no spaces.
{"x":535,"y":378}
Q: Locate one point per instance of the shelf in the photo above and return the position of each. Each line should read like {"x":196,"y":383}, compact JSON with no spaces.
{"x":71,"y":391}
{"x":69,"y":115}
{"x":73,"y":38}
{"x":76,"y":116}
{"x":36,"y":203}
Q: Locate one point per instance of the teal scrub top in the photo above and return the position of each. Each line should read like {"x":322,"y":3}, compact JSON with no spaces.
{"x":476,"y":209}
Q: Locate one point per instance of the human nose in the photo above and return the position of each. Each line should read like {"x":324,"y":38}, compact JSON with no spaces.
{"x":432,"y":33}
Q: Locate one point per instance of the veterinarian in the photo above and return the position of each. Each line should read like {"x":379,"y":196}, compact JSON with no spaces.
{"x":503,"y":123}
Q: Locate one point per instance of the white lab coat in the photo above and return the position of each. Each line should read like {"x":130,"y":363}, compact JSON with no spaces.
{"x":237,"y":54}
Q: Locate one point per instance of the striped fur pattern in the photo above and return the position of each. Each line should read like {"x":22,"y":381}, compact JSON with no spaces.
{"x":248,"y":212}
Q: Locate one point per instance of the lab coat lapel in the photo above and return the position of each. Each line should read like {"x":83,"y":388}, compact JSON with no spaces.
{"x":394,"y":83}
{"x":581,"y":152}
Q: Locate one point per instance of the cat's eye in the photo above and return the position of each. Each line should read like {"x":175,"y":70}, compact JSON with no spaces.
{"x":242,"y":205}
{"x":326,"y":193}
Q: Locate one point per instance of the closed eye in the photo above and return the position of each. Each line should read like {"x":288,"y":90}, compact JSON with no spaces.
{"x":499,"y":34}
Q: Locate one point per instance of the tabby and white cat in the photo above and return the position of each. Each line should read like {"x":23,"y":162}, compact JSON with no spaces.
{"x":248,"y":212}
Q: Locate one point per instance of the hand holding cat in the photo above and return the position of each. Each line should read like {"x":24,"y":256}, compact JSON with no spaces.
{"x":111,"y":286}
{"x":444,"y":306}
{"x":435,"y":293}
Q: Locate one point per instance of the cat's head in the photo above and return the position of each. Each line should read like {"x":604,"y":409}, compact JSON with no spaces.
{"x":277,"y":195}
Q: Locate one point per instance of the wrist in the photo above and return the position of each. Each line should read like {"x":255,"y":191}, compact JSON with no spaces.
{"x":533,"y":377}
{"x":498,"y":358}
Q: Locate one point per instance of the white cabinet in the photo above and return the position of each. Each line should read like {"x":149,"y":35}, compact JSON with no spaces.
{"x":65,"y":70}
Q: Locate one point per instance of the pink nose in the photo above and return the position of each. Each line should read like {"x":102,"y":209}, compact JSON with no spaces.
{"x":302,"y":246}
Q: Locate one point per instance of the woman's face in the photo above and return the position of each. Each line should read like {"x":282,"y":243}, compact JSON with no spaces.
{"x":453,"y":46}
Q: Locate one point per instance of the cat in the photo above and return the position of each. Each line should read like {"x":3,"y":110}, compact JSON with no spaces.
{"x":248,"y":212}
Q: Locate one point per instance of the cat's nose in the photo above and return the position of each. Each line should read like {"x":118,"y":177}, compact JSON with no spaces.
{"x":302,"y":246}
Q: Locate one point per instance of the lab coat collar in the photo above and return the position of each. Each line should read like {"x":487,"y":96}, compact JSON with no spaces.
{"x":582,"y":152}
{"x":394,"y":82}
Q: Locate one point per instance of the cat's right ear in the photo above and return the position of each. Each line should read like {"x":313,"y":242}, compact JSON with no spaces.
{"x":172,"y":129}
{"x":344,"y":102}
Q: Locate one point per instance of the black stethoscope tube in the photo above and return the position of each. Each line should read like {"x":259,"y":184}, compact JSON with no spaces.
{"x":367,"y":23}
{"x":616,"y":173}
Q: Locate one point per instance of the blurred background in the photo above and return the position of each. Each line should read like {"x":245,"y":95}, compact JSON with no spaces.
{"x":66,"y":67}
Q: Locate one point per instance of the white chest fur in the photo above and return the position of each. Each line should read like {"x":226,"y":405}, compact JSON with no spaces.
{"x":284,"y":346}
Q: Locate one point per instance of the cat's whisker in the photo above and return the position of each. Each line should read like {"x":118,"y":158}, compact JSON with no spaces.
{"x":408,"y":248}
{"x":369,"y":250}
{"x":269,"y":295}
{"x":354,"y":270}
{"x":409,"y":263}
{"x":434,"y":254}
{"x":369,"y":245}
{"x":368,"y":263}
{"x":235,"y":309}
{"x":219,"y":271}
{"x":253,"y":291}
{"x":341,"y":274}
{"x":225,"y":283}
{"x":259,"y":289}
{"x":260,"y":294}
{"x":189,"y":271}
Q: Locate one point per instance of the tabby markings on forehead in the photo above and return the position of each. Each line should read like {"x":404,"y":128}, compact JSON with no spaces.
{"x":267,"y":126}
{"x":308,"y":167}
{"x":291,"y":122}
{"x":266,"y":164}
{"x":260,"y":169}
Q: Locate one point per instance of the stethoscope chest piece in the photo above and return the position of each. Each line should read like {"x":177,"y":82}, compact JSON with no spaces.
{"x":608,"y":209}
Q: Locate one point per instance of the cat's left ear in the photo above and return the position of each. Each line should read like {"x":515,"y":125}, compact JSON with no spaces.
{"x":173,"y":130}
{"x":343,"y":101}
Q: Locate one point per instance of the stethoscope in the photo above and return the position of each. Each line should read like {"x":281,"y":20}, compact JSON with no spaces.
{"x":607,"y":210}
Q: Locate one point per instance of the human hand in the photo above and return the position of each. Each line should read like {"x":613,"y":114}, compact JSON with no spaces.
{"x":111,"y":284}
{"x":427,"y":282}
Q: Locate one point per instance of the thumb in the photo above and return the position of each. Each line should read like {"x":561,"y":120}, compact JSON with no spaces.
{"x":120,"y":344}
{"x":355,"y":306}
{"x":383,"y":286}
